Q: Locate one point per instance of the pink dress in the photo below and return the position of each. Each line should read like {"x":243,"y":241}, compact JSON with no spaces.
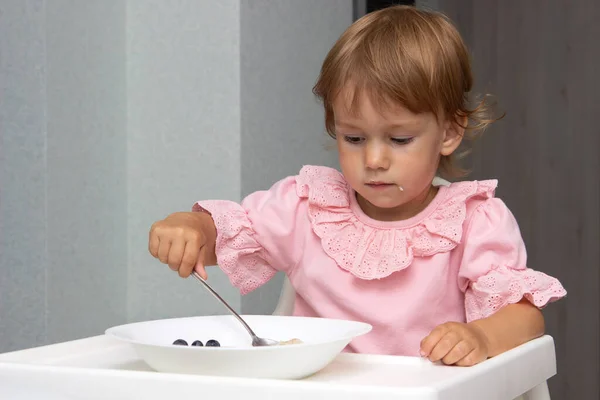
{"x":460,"y":259}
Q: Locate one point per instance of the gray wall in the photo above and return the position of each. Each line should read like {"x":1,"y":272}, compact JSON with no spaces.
{"x":23,"y":227}
{"x":183,"y":137}
{"x":283,"y":46}
{"x":63,"y":204}
{"x":540,"y":59}
{"x":114,"y":114}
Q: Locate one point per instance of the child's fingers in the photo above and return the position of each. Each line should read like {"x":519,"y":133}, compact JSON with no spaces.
{"x":443,"y":346}
{"x":153,"y":244}
{"x":176,"y":254}
{"x":188,"y":261}
{"x":474,"y":357}
{"x":458,"y":352}
{"x":199,"y":268}
{"x":432,"y":340}
{"x":163,"y":250}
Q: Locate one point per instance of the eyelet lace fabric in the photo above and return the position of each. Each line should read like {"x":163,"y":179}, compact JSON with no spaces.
{"x":236,"y":245}
{"x":503,"y":286}
{"x":375,"y":253}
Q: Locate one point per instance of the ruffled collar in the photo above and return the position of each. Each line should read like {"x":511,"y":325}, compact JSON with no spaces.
{"x":372,"y":249}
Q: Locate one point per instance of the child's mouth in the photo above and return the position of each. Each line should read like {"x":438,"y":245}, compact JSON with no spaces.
{"x":379,"y":185}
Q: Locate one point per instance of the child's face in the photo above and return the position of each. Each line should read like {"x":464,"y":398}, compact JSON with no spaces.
{"x":380,"y":150}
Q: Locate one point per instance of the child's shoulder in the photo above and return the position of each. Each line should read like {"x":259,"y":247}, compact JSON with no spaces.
{"x":475,"y":194}
{"x":484,"y":216}
{"x":325,"y":185}
{"x":472,"y":201}
{"x":471,"y":193}
{"x":319,"y":173}
{"x":319,"y":186}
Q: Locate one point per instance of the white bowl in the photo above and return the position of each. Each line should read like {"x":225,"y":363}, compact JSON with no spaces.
{"x":323,"y":339}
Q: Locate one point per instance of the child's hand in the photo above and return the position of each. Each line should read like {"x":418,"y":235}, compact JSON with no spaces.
{"x":181,"y":242}
{"x":456,"y":343}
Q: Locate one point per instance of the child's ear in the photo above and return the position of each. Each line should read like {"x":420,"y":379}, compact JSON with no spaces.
{"x":453,"y":134}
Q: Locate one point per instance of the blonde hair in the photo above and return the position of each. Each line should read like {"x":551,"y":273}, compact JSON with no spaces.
{"x":403,"y":55}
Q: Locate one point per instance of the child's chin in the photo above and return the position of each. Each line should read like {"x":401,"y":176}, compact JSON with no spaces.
{"x":384,"y":203}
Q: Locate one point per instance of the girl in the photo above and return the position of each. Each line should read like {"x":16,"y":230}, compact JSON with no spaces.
{"x":438,"y":270}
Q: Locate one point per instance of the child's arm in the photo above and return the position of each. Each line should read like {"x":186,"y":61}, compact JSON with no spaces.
{"x":471,"y":343}
{"x":502,"y":296}
{"x":510,"y":327}
{"x":250,"y":241}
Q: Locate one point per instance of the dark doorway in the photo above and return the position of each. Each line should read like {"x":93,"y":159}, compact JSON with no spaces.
{"x":362,"y":7}
{"x":374,"y":5}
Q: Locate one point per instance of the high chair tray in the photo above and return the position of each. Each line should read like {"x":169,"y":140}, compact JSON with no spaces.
{"x":101,"y":368}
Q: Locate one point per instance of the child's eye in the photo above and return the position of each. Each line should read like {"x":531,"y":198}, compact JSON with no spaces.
{"x":402,"y":140}
{"x":353,"y":139}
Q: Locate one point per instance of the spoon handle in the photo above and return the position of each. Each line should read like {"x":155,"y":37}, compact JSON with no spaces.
{"x":231,"y":310}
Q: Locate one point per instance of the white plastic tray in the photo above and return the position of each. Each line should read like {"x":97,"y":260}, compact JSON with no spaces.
{"x":101,"y":368}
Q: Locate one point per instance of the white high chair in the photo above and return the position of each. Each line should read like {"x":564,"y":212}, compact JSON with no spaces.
{"x":285,"y":306}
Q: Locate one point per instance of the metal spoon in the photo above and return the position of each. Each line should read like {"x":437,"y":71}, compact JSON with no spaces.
{"x":256,"y":341}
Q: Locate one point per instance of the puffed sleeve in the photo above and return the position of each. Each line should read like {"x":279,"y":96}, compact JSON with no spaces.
{"x":493,"y":271}
{"x":259,"y":236}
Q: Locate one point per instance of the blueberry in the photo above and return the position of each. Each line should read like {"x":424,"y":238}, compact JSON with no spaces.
{"x":213,"y":343}
{"x":198,"y":343}
{"x":180,"y":342}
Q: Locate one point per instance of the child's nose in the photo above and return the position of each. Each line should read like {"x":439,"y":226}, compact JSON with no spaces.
{"x":376,"y":157}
